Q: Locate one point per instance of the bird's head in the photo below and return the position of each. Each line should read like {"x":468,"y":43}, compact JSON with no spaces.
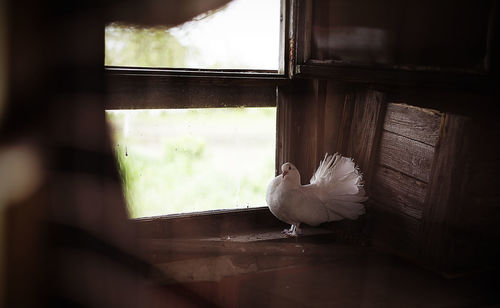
{"x":289,"y":171}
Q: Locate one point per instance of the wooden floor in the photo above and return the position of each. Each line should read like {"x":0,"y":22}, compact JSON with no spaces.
{"x":266,"y":269}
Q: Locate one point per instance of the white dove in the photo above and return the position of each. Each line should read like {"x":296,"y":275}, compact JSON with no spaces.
{"x":335,"y":193}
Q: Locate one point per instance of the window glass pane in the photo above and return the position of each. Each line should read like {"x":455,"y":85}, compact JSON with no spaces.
{"x":244,"y":34}
{"x":188,"y":160}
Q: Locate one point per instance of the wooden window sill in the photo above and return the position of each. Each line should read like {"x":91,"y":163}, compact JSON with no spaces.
{"x":213,"y":258}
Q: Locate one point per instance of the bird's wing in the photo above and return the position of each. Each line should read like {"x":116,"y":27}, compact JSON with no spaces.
{"x":304,"y":206}
{"x":312,"y":192}
{"x":295,"y":205}
{"x":271,"y":189}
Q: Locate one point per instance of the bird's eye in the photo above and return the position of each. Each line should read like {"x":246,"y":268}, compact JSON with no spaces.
{"x":289,"y":167}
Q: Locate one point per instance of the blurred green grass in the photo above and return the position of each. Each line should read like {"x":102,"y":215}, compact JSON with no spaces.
{"x":189,"y":160}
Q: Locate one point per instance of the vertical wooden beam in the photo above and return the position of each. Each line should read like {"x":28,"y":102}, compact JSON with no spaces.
{"x":305,"y":132}
{"x":319,"y":92}
{"x":304,"y":31}
{"x":444,"y":196}
{"x":362,"y":122}
{"x":333,"y":110}
{"x":283,"y":126}
{"x":317,"y":116}
{"x":301,"y":119}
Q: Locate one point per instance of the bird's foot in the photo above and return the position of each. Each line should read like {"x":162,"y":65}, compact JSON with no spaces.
{"x":294,"y":231}
{"x":289,"y":233}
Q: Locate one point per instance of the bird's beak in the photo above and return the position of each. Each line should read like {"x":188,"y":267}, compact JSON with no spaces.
{"x":285,"y":173}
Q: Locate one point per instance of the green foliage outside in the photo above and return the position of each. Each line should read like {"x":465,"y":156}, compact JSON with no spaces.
{"x":127,"y":45}
{"x":179,"y":161}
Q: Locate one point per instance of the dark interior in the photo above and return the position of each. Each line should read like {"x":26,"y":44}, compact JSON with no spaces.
{"x":408,"y":89}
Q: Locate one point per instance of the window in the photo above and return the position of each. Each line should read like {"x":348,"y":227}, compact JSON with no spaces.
{"x":242,"y":35}
{"x":191,"y":160}
{"x":194,"y":126}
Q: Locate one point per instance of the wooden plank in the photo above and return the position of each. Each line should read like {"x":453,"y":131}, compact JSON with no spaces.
{"x":413,"y":122}
{"x":164,"y":249}
{"x":390,"y":75}
{"x":360,"y":128}
{"x":305,"y":127}
{"x":446,"y":192}
{"x":479,"y":102}
{"x":367,"y":120}
{"x":301,"y":107}
{"x":320,"y":89}
{"x":304,"y":30}
{"x":143,"y":91}
{"x":334,"y":105}
{"x":211,"y":223}
{"x":346,"y":120}
{"x":404,"y":194}
{"x":406,"y":155}
{"x":283,"y":127}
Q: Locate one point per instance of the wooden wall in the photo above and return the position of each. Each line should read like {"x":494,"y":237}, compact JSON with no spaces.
{"x":430,"y":174}
{"x":408,"y":89}
{"x":402,"y":171}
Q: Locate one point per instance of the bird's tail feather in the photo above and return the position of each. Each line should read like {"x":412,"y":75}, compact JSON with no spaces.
{"x":345,"y":209}
{"x":338,"y":175}
{"x":339,"y":179}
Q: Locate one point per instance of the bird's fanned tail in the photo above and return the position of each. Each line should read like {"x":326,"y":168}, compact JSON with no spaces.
{"x":337,"y":174}
{"x":340,"y":182}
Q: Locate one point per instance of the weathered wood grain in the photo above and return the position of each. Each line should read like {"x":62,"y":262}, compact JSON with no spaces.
{"x":334,"y":105}
{"x":165,"y":248}
{"x":283,"y":127}
{"x":404,"y":194}
{"x":320,"y":90}
{"x":211,"y":223}
{"x":360,"y":128}
{"x":413,"y":122}
{"x":139,"y":92}
{"x":306,"y":115}
{"x":366,"y":116}
{"x":408,"y":156}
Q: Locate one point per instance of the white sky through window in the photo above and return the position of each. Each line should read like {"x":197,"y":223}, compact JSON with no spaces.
{"x":242,"y":35}
{"x":247,"y":28}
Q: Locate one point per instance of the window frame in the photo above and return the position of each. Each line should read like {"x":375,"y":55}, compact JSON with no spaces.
{"x":282,"y":72}
{"x":155,"y":88}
